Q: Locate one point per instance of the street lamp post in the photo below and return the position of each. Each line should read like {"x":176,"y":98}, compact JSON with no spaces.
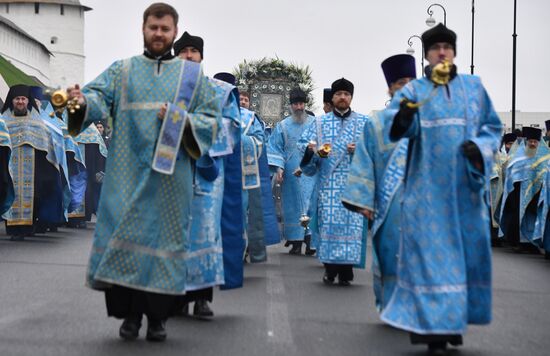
{"x":410,"y":50}
{"x":430,"y":21}
{"x":473,"y":13}
{"x":514,"y":46}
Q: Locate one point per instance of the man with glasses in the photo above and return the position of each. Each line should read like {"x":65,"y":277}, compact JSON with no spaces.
{"x":444,"y":268}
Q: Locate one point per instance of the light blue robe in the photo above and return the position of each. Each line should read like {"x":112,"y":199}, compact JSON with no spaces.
{"x":28,"y":134}
{"x":534,"y":176}
{"x":375,"y":183}
{"x":296,"y":192}
{"x":542,"y":225}
{"x":205,"y":245}
{"x":444,"y":267}
{"x":9,"y":195}
{"x":142,"y":232}
{"x":341,"y":232}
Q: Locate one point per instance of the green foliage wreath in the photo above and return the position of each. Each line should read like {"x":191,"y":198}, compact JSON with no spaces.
{"x":275,"y":69}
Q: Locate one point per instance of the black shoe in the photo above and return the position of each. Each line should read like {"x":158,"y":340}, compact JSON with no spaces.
{"x":156,"y":330}
{"x":129,"y":330}
{"x":328,"y":280}
{"x":201,"y":309}
{"x":437,"y":348}
{"x":344,"y":283}
{"x":296,"y":248}
{"x":17,"y":237}
{"x":455,"y":340}
{"x":309,"y":251}
{"x":184,"y":311}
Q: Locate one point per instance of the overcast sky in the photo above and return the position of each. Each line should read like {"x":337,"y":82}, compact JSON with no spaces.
{"x":342,"y":38}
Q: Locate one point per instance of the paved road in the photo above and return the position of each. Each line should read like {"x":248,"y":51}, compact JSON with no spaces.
{"x":284,"y":309}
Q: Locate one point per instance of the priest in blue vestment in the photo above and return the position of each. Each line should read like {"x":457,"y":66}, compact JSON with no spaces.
{"x":94,"y":151}
{"x":6,"y":182}
{"x":444,"y":267}
{"x":375,"y":180}
{"x":328,"y":145}
{"x":34,"y":166}
{"x":141,"y":245}
{"x":525,"y":175}
{"x":284,"y":158}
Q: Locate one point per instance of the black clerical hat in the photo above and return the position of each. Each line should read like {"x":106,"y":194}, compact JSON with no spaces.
{"x":327,"y":95}
{"x":186,"y":40}
{"x":342,"y":84}
{"x":226,"y":77}
{"x":531,"y":133}
{"x":297,"y":95}
{"x":439,"y":33}
{"x":509,"y":137}
{"x":15,"y":91}
{"x":397,"y":67}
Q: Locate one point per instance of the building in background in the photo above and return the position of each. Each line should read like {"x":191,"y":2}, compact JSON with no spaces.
{"x":45,"y":39}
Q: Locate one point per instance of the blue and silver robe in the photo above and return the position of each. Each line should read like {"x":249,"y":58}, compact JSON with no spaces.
{"x":444,"y":267}
{"x":259,"y":209}
{"x":341,"y":232}
{"x":206,"y":261}
{"x":6,"y":182}
{"x":30,"y":134}
{"x":375,"y":183}
{"x":531,"y":192}
{"x":142,"y":232}
{"x":296,"y":192}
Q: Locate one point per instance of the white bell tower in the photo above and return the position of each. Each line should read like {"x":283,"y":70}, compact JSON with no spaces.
{"x":59,"y":25}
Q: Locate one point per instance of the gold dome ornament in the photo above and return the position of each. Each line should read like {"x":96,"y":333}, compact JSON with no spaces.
{"x":304,"y":220}
{"x":60,"y":99}
{"x":325,"y":149}
{"x":441,"y":73}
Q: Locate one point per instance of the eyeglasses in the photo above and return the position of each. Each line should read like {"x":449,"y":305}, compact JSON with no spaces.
{"x":439,"y":47}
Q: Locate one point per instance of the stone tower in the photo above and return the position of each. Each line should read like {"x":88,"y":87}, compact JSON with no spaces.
{"x":59,"y":25}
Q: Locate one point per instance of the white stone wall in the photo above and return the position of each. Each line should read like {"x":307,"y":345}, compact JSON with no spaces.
{"x":535,"y":119}
{"x":25,"y":54}
{"x":67,"y":64}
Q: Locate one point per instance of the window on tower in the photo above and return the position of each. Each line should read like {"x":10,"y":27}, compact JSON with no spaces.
{"x":36,"y":7}
{"x":7,"y":8}
{"x":62,"y":9}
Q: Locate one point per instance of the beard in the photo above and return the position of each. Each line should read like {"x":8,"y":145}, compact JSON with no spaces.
{"x":530,"y":152}
{"x":148,"y":44}
{"x":20,"y":112}
{"x":299,"y":115}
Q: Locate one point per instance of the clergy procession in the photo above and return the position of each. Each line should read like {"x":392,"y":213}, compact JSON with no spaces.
{"x":187,"y":188}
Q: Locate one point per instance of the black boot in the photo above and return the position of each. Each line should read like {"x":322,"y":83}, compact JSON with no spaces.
{"x":202,"y":310}
{"x":156,"y":330}
{"x":437,"y":348}
{"x":296,"y":248}
{"x":309,"y":251}
{"x":184,"y":311}
{"x":129,"y":330}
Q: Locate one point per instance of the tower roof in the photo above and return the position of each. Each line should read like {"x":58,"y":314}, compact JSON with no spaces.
{"x":18,"y":29}
{"x":61,"y":2}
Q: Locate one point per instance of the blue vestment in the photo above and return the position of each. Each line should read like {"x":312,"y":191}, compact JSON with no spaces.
{"x":260,"y":220}
{"x":341,"y":232}
{"x":296,"y":192}
{"x":30,"y":134}
{"x":444,"y":267}
{"x":531,"y":192}
{"x":142,"y":232}
{"x":206,"y":262}
{"x":375,"y":183}
{"x":7,"y":192}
